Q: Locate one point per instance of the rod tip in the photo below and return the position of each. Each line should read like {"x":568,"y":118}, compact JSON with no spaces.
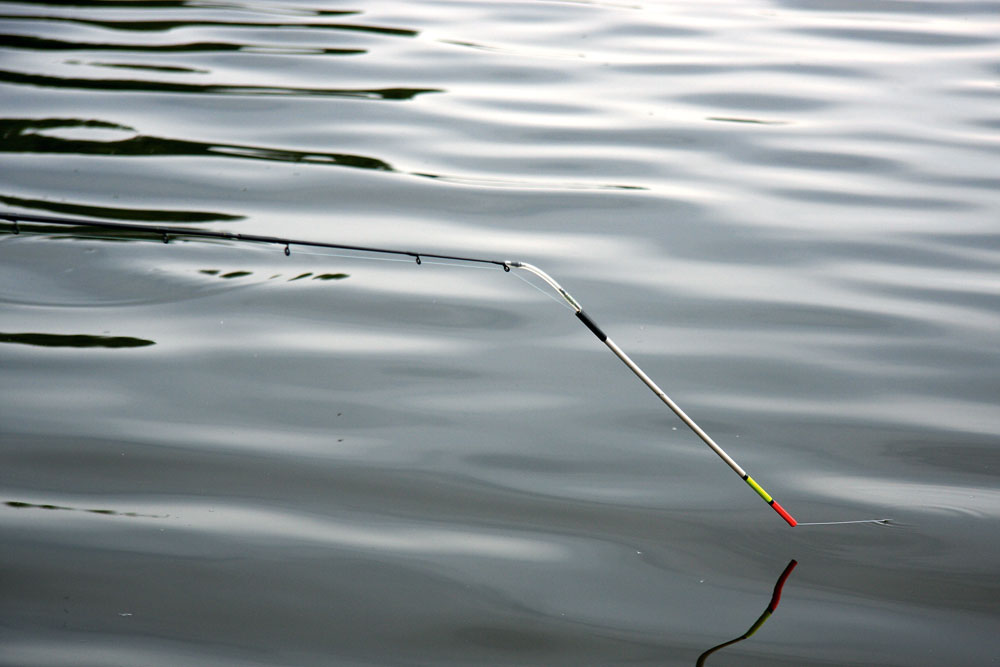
{"x":783,"y":514}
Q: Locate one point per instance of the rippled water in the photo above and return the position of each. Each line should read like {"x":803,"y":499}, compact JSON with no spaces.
{"x":786,"y":212}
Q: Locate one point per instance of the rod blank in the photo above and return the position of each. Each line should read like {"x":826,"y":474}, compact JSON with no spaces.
{"x":165,"y":232}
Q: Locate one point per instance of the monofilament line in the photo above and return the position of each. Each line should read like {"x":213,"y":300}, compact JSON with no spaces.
{"x":881,"y":522}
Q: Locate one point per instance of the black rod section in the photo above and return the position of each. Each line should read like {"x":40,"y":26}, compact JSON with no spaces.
{"x":596,"y":330}
{"x":159,"y":230}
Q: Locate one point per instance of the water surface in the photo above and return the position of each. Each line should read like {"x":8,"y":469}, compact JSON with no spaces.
{"x":216,"y":454}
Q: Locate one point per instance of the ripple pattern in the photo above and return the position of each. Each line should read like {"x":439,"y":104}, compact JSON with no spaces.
{"x":785,"y":210}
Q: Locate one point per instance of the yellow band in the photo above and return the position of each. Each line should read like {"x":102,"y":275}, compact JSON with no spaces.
{"x":756,"y":487}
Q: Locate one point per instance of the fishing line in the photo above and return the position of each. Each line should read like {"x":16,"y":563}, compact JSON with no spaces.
{"x":318,"y":252}
{"x":548,"y":295}
{"x":341,"y":255}
{"x":881,"y":522}
{"x":166,"y":233}
{"x":457,"y":265}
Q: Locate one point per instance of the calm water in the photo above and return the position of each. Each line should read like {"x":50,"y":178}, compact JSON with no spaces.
{"x":786,"y":212}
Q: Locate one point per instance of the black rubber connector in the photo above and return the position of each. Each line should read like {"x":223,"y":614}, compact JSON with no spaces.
{"x":592,"y":326}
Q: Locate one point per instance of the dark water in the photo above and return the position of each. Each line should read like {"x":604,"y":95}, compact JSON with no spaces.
{"x":786,"y":212}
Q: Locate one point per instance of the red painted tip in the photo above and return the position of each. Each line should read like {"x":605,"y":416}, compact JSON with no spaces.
{"x":784,"y":515}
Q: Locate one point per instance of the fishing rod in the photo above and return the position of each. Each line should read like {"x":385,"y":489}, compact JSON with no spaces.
{"x":166,"y":232}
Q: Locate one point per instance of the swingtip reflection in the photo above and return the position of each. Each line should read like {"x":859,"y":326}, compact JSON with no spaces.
{"x":771,"y":606}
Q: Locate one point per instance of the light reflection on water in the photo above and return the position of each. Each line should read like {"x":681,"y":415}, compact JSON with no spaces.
{"x":784,"y":211}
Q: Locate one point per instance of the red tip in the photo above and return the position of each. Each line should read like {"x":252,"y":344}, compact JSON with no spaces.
{"x":784,"y":515}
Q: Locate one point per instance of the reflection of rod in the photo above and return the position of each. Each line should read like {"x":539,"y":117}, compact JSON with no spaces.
{"x":771,"y":606}
{"x":167,"y":232}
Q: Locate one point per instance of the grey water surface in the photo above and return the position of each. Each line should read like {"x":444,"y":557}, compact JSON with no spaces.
{"x":787,"y":212}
